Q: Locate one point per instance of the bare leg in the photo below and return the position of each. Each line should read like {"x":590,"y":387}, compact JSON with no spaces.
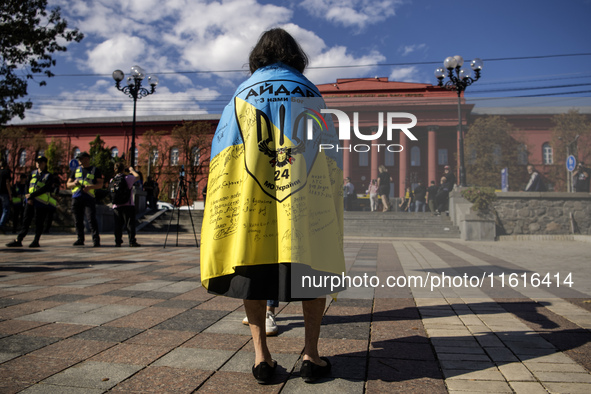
{"x":313,"y":311}
{"x":385,"y":203}
{"x":255,"y":311}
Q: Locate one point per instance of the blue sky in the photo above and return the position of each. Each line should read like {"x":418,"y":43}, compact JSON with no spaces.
{"x":187,"y":43}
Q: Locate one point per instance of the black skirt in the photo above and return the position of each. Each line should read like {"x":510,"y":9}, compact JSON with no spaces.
{"x":284,"y":282}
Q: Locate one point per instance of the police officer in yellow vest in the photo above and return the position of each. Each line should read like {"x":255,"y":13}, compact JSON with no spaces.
{"x":84,"y":181}
{"x":37,"y":206}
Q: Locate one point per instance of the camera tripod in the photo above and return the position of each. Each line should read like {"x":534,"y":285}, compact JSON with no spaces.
{"x":180,"y":197}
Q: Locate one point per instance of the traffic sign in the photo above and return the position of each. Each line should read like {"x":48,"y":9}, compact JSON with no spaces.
{"x":571,"y":163}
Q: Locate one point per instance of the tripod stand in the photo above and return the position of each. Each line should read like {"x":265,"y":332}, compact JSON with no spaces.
{"x":181,"y":194}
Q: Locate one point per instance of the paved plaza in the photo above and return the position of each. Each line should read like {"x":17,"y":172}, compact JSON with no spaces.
{"x":423,"y":316}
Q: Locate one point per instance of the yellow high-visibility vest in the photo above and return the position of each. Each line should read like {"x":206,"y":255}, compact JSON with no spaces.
{"x":85,"y":181}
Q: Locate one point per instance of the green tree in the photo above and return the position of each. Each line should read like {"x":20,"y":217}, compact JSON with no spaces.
{"x":192,"y":139}
{"x":564,"y":134}
{"x":29,"y":37}
{"x":491,"y":145}
{"x":56,"y":154}
{"x":100,"y":157}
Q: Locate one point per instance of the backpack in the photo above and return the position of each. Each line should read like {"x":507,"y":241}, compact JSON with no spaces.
{"x":120,"y":192}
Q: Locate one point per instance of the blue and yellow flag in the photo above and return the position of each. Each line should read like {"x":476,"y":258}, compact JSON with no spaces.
{"x":273,"y":195}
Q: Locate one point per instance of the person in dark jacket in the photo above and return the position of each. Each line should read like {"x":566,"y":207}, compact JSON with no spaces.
{"x":37,"y":205}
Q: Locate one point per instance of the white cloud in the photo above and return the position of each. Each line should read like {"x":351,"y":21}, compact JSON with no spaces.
{"x":405,"y":74}
{"x":408,"y":49}
{"x":352,"y":13}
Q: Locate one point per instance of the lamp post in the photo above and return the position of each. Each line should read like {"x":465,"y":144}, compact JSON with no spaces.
{"x":134,"y":90}
{"x":459,"y":79}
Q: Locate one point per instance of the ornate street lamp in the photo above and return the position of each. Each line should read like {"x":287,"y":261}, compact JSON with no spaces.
{"x":459,"y":79}
{"x":134,"y":90}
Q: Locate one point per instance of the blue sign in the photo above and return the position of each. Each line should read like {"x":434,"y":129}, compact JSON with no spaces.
{"x":73,"y":164}
{"x":571,"y":163}
{"x":505,"y":179}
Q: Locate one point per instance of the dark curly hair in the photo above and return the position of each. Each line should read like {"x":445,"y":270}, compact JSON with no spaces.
{"x":277,"y":45}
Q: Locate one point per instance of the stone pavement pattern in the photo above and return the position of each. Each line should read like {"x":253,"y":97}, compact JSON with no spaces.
{"x":123,"y":320}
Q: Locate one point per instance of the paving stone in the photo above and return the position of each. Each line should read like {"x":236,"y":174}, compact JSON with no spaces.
{"x":65,"y":298}
{"x":163,"y":380}
{"x":22,"y":344}
{"x":222,"y":382}
{"x":566,"y":377}
{"x":326,"y":385}
{"x":476,"y":386}
{"x":32,"y":369}
{"x":163,"y":338}
{"x":192,"y":320}
{"x":109,"y":334}
{"x":571,"y":388}
{"x":204,"y":359}
{"x":73,"y":349}
{"x":53,"y":389}
{"x":131,"y":354}
{"x":528,"y":387}
{"x":95,"y":375}
{"x":229,"y":342}
{"x":243,"y":361}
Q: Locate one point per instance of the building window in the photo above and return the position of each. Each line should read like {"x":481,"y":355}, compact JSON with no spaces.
{"x":195,"y":156}
{"x":363,"y":159}
{"x":174,"y":157}
{"x":75,"y":153}
{"x":7,"y":155}
{"x":136,"y":155}
{"x":442,"y":157}
{"x":415,"y":156}
{"x":22,"y":158}
{"x":173,"y":191}
{"x":389,"y":158}
{"x":522,"y":154}
{"x":154,"y":157}
{"x":114,"y":152}
{"x":547,"y":154}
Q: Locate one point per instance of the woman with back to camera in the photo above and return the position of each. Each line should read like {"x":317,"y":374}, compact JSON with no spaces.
{"x":284,"y":197}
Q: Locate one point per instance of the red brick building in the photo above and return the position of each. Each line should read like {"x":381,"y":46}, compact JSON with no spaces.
{"x":407,"y":160}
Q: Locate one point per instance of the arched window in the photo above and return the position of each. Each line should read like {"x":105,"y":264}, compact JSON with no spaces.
{"x":547,"y":154}
{"x":114,"y":152}
{"x":136,"y":155}
{"x":154,"y":156}
{"x":174,"y":157}
{"x":22,"y":158}
{"x":415,"y":156}
{"x":195,"y":156}
{"x":7,"y":155}
{"x":75,"y":152}
{"x":442,"y":157}
{"x":389,"y":158}
{"x":363,"y":159}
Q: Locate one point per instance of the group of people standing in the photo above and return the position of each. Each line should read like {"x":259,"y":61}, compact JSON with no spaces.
{"x":420,"y":199}
{"x":35,"y":195}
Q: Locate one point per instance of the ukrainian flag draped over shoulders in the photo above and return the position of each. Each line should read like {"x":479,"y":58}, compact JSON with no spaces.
{"x":273,"y":195}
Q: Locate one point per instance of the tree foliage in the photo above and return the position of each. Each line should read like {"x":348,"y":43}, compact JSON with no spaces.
{"x":491,"y":144}
{"x":29,"y":38}
{"x":100,"y":157}
{"x":56,"y":156}
{"x":566,"y":129}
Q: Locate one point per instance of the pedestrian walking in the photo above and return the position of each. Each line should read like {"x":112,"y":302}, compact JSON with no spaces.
{"x":384,"y":186}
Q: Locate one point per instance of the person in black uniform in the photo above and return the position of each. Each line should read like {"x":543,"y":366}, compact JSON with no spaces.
{"x":37,"y":205}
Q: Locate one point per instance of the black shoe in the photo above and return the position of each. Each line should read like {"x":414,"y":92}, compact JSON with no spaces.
{"x":96,"y":245}
{"x":118,"y":244}
{"x":263,"y":372}
{"x":311,"y":372}
{"x":34,"y":244}
{"x":134,"y":245}
{"x":14,"y":244}
{"x":78,"y":243}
